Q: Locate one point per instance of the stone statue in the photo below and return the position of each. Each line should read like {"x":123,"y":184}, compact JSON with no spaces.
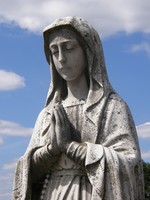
{"x":84,"y":145}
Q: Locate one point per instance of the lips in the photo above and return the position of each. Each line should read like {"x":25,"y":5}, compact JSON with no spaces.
{"x":64,"y":69}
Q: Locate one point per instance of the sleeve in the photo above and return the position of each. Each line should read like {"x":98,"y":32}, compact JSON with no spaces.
{"x":43,"y":156}
{"x":77,"y":152}
{"x":35,"y":138}
{"x":25,"y":172}
{"x":114,"y":165}
{"x":41,"y":162}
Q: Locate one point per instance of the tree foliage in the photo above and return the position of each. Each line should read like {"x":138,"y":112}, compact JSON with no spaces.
{"x":146,"y":169}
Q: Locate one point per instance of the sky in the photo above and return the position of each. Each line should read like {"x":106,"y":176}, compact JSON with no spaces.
{"x":24,"y":73}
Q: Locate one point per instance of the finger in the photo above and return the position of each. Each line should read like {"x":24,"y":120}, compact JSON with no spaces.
{"x":53,"y":139}
{"x":57,"y":118}
{"x":53,"y":136}
{"x":52,"y":121}
{"x":63,"y":112}
{"x":52,"y":117}
{"x":64,"y":115}
{"x":62,"y":118}
{"x":58,"y":127}
{"x":52,"y":130}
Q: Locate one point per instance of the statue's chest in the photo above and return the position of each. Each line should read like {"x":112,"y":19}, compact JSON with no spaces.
{"x":85,"y":129}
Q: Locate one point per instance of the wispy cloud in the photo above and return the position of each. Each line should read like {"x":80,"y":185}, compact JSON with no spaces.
{"x":8,"y":128}
{"x":10,"y":166}
{"x":144,"y":130}
{"x":146,"y":155}
{"x":6,"y":177}
{"x":108,"y":16}
{"x":144,"y":46}
{"x":1,"y":141}
{"x":13,"y":129}
{"x":10,"y":80}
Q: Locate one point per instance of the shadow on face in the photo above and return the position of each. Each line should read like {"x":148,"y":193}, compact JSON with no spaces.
{"x":58,"y":41}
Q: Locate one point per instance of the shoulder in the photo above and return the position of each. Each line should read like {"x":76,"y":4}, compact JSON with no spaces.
{"x":116,"y":103}
{"x":118,"y":112}
{"x":116,"y":100}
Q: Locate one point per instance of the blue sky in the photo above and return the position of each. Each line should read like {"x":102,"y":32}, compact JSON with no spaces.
{"x":24,"y":73}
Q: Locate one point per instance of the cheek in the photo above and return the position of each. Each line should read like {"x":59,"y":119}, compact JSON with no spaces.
{"x":56,"y":62}
{"x":80,"y":61}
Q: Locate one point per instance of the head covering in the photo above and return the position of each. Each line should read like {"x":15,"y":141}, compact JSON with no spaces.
{"x":99,"y":83}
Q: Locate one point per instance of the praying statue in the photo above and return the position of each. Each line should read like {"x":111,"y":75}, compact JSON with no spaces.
{"x":84,"y":144}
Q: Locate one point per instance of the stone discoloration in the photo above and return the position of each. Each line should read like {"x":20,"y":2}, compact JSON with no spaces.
{"x":84,"y":144}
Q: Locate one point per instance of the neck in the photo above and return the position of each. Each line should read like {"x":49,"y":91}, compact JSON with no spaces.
{"x":77,"y":89}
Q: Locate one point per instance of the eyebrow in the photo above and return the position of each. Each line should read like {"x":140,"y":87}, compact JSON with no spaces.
{"x":54,"y":44}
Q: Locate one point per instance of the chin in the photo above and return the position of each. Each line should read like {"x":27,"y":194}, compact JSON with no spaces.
{"x":66,"y":78}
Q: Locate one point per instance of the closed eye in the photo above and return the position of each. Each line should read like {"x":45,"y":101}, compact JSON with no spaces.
{"x":54,"y":49}
{"x":70,"y":45}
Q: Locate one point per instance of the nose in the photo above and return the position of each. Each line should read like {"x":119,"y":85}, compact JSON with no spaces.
{"x":61,"y":57}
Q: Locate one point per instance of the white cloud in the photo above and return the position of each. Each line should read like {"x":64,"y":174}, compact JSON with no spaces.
{"x":14,"y":129}
{"x":10,"y":80}
{"x":8,"y":128}
{"x":108,"y":16}
{"x":144,"y":130}
{"x":10,"y":166}
{"x":144,"y":46}
{"x":6,"y":177}
{"x":146,"y":155}
{"x":1,"y":141}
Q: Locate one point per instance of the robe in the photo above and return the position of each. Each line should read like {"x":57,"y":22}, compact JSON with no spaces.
{"x":108,"y":154}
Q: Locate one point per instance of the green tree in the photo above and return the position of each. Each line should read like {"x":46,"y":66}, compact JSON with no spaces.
{"x":146,"y":169}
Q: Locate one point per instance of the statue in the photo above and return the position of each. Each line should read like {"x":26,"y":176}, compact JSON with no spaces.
{"x":84,"y":145}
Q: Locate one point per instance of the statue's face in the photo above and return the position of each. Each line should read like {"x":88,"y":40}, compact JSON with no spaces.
{"x":68,"y":57}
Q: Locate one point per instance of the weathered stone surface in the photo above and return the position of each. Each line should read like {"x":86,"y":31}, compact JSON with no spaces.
{"x":84,"y":145}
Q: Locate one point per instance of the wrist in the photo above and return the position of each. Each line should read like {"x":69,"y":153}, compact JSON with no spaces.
{"x":77,"y":152}
{"x":67,"y":146}
{"x":52,"y":151}
{"x":72,"y":147}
